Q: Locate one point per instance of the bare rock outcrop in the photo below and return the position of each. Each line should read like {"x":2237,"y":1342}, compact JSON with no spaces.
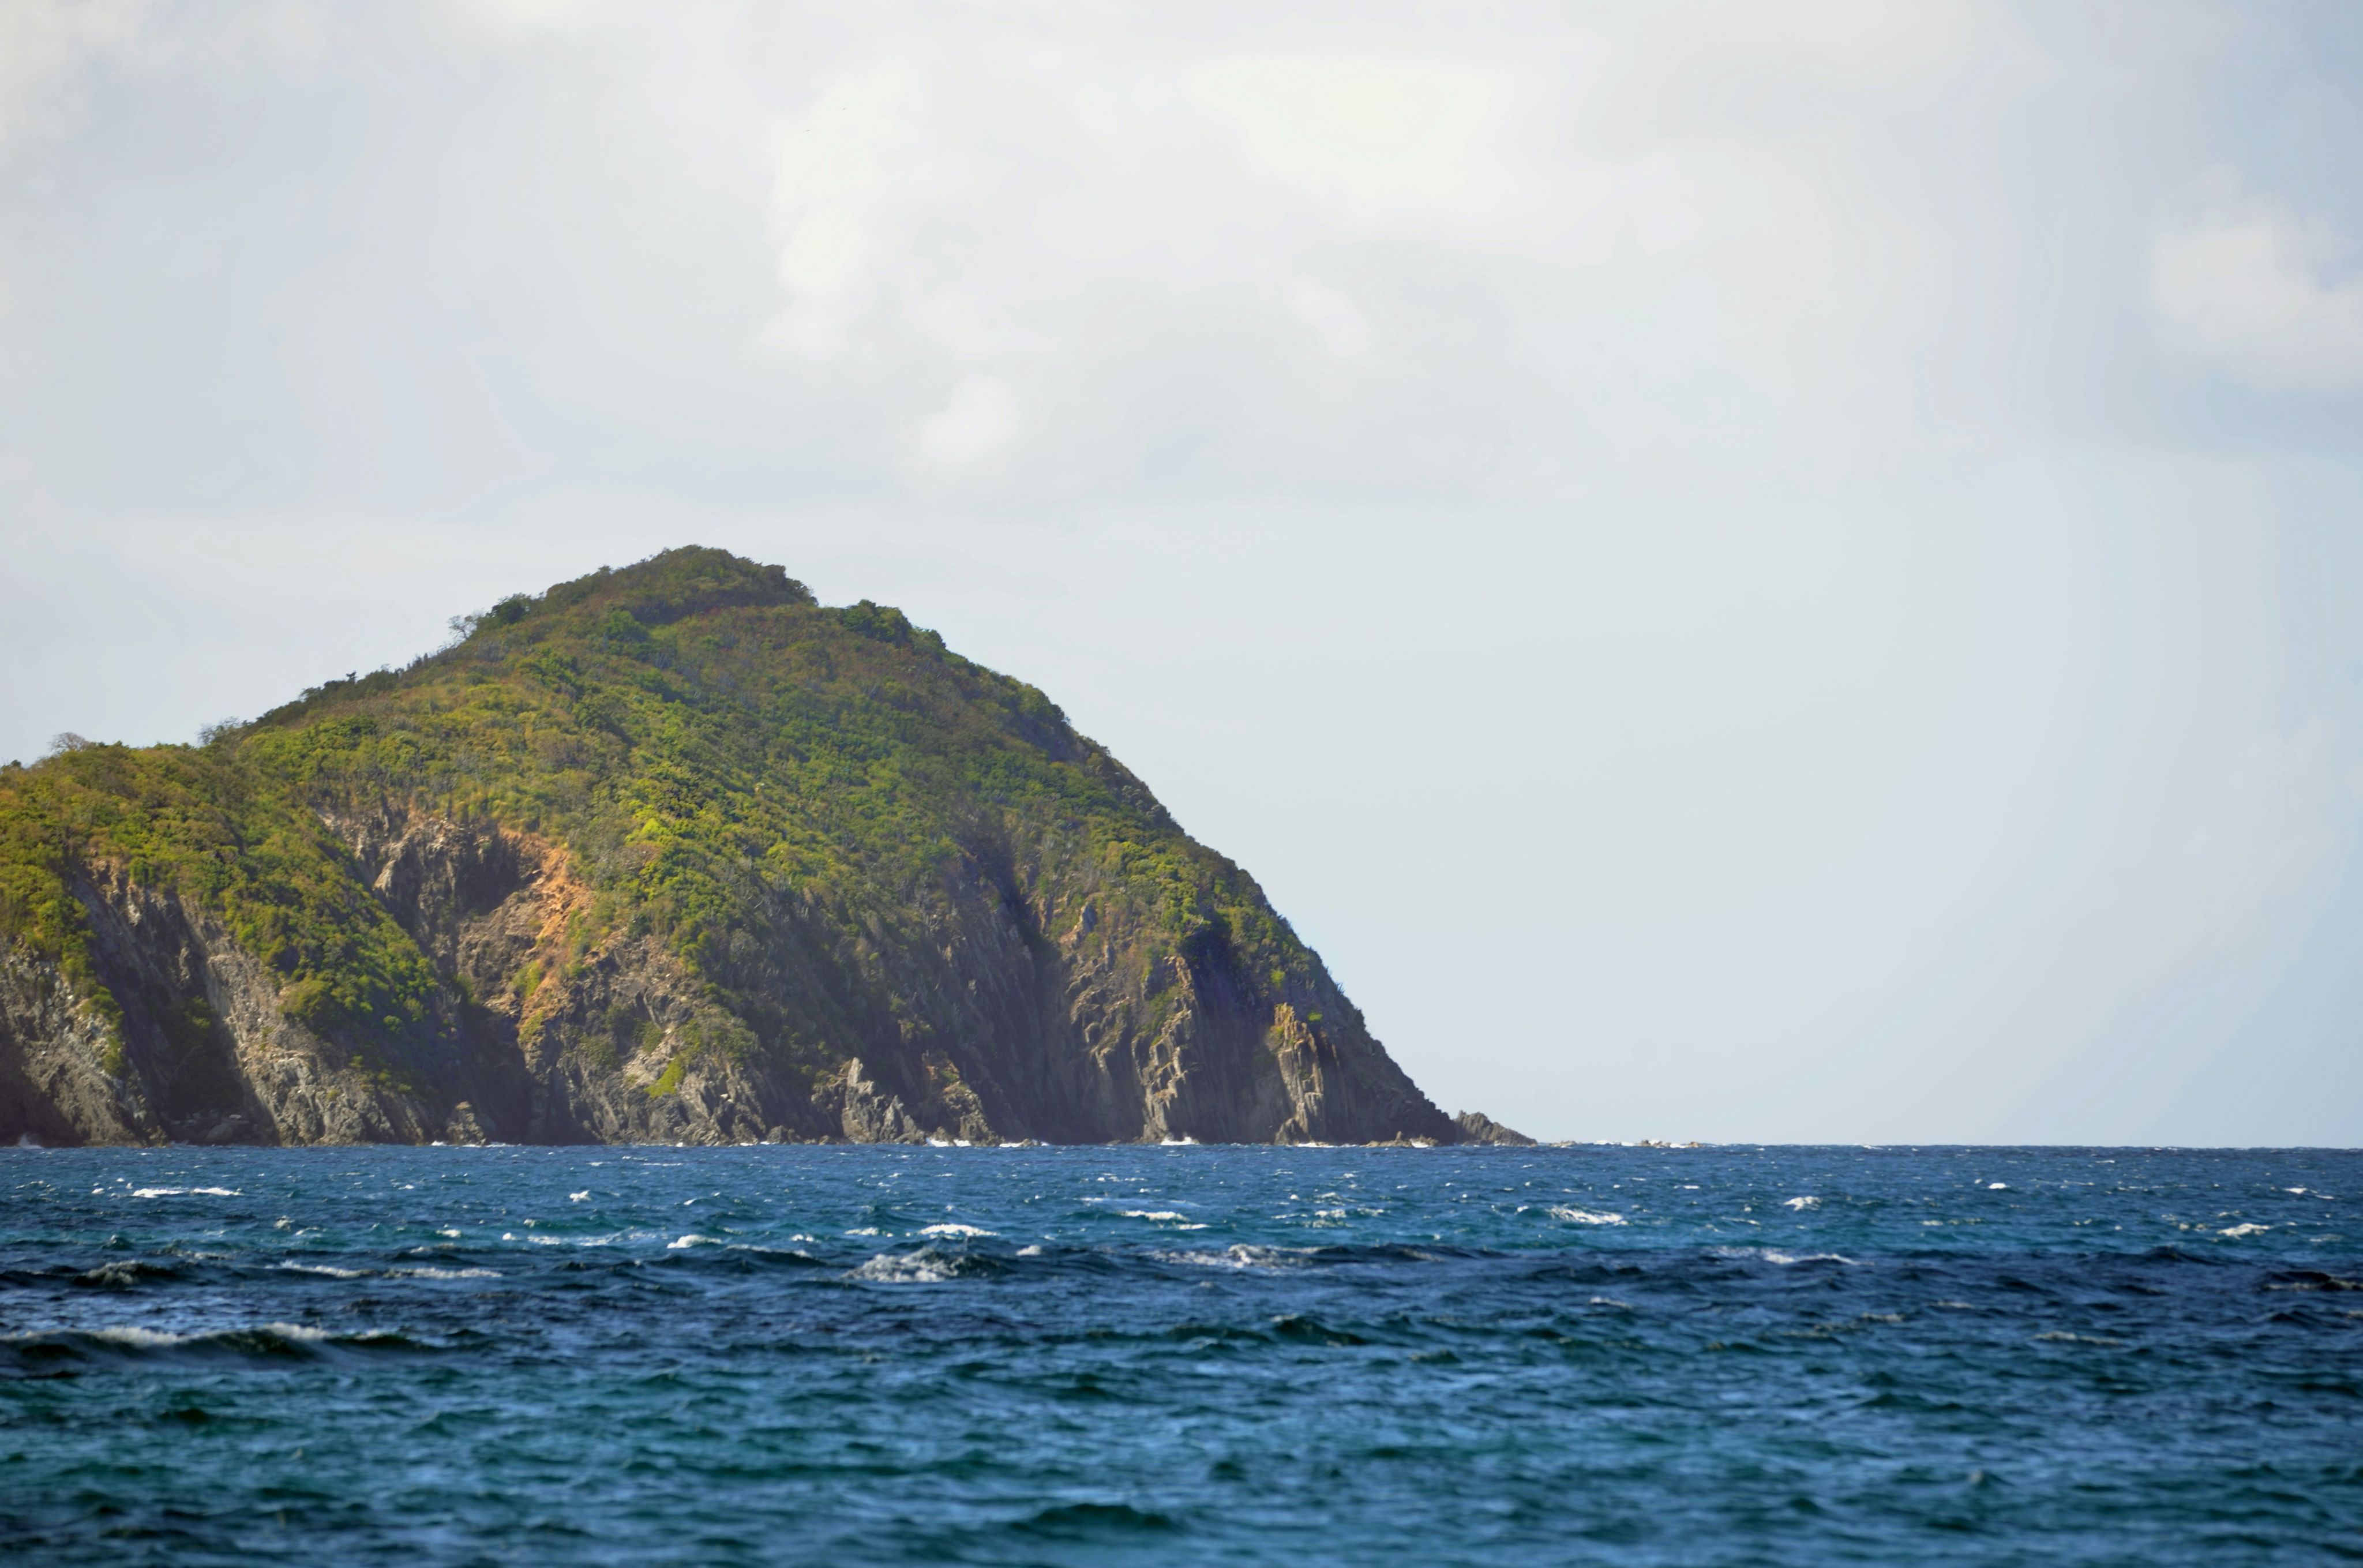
{"x":1476,"y":1126}
{"x":533,"y":1042}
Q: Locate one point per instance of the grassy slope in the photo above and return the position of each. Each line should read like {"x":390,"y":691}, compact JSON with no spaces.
{"x":723,"y":759}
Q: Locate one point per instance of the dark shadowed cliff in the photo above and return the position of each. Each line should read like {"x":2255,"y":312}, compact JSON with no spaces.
{"x":673,"y":852}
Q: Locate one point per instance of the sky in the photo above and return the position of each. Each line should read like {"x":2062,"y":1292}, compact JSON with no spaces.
{"x":1741,"y":572}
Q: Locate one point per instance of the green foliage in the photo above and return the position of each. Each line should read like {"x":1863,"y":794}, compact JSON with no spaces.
{"x":784,"y":796}
{"x":189,"y":822}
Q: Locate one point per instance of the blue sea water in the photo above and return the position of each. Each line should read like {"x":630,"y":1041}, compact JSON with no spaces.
{"x":1180,"y":1355}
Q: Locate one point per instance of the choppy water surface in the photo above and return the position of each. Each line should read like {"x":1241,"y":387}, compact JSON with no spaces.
{"x":1174,"y":1355}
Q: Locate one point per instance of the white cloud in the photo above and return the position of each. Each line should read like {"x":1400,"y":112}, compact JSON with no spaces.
{"x":46,"y":45}
{"x":1379,"y":138}
{"x":53,"y":51}
{"x":1167,"y":248}
{"x":527,"y":19}
{"x":2260,"y":295}
{"x":980,"y":420}
{"x":844,"y":169}
{"x":1333,"y":316}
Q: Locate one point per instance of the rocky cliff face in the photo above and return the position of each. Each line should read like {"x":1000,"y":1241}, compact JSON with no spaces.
{"x":525,"y":1047}
{"x":770,"y":873}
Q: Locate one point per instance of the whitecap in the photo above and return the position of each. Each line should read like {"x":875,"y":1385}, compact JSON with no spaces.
{"x":578,"y":1197}
{"x":865,"y":1230}
{"x":1801,"y":1203}
{"x":951,"y":1230}
{"x":1154,"y":1214}
{"x":324,"y":1271}
{"x":922,"y":1267}
{"x":1585,"y":1217}
{"x":1240,"y":1256}
{"x":1997,"y":1186}
{"x":1774,"y":1255}
{"x":2250,"y":1229}
{"x":302,"y":1332}
{"x":426,"y":1272}
{"x":142,"y":1339}
{"x":186,"y":1192}
{"x":692,"y":1239}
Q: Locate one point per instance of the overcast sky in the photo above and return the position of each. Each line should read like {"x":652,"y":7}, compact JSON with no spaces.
{"x":1759,"y":571}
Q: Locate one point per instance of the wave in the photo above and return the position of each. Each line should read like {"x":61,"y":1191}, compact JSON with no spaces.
{"x":128,"y":1273}
{"x":1585,"y":1217}
{"x":925,"y":1265}
{"x":1786,"y":1260}
{"x":1241,"y":1255}
{"x":264,"y":1343}
{"x":186,"y":1192}
{"x":2310,"y":1279}
{"x":948,"y":1229}
{"x":713,"y":1257}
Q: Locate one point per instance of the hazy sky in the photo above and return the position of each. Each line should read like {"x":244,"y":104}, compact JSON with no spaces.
{"x":1758,"y":571}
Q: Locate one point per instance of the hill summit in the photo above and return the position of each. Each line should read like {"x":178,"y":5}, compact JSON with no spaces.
{"x":667,"y":853}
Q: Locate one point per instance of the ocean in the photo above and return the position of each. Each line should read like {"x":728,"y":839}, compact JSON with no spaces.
{"x":1181,"y":1355}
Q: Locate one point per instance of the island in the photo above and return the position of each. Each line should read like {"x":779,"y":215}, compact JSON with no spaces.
{"x":670,"y":853}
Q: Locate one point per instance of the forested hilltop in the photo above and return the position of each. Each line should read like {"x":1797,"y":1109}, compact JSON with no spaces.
{"x":670,"y":852}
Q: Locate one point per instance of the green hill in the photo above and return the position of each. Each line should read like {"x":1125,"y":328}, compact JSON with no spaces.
{"x":671,"y":852}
